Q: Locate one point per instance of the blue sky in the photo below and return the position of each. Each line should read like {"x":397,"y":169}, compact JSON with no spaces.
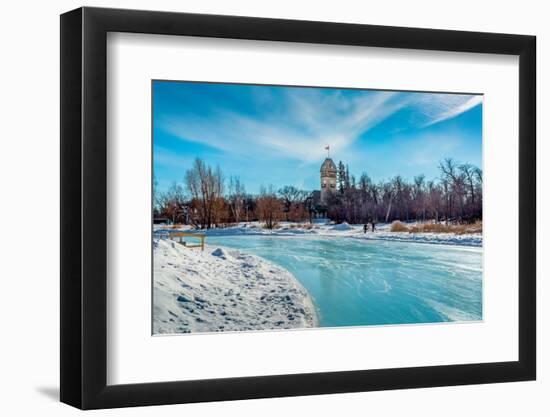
{"x":277,"y":135}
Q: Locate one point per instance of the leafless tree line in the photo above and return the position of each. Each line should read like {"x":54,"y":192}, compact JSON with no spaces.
{"x":205,"y":202}
{"x":456,"y":196}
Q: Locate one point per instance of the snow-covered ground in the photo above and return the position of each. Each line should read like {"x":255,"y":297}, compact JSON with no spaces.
{"x":224,"y":290}
{"x":382,"y":232}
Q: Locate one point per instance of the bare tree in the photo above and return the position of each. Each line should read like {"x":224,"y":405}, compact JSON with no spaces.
{"x":237,"y":195}
{"x":388,"y":194}
{"x":462,"y":190}
{"x":419,"y":197}
{"x":434,"y":200}
{"x":173,"y":203}
{"x":293,"y":201}
{"x":206,"y":189}
{"x":157,"y":199}
{"x":449,"y":179}
{"x":269,"y":207}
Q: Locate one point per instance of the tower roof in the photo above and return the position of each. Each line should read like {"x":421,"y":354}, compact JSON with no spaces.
{"x":328,"y":166}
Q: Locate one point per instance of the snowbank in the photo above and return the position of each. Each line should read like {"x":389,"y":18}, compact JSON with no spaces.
{"x":342,"y":227}
{"x":224,"y":290}
{"x":434,"y":238}
{"x":382,"y":232}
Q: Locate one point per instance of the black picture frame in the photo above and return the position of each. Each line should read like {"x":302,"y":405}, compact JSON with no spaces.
{"x":84,"y":207}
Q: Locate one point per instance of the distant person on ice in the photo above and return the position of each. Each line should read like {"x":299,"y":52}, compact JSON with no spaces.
{"x":365,"y":227}
{"x":373,"y":224}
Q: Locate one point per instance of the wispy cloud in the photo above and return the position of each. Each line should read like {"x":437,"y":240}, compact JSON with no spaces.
{"x":297,"y":123}
{"x":440,"y":107}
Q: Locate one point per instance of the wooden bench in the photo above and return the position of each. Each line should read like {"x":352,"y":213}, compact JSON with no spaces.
{"x":181,"y":235}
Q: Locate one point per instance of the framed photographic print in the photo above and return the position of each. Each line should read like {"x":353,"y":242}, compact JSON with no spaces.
{"x":258,"y":207}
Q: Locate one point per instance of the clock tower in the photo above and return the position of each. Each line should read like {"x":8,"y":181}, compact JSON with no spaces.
{"x":328,"y":179}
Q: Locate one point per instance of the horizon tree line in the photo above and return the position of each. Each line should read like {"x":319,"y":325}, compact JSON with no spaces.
{"x":206,"y":199}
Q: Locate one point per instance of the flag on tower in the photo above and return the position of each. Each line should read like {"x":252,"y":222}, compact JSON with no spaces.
{"x":327,"y":148}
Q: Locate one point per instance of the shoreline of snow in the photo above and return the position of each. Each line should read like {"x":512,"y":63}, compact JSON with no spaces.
{"x":221,"y":289}
{"x":438,"y":239}
{"x":382,"y":232}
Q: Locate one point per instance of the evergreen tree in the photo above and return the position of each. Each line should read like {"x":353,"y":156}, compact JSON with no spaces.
{"x":341,"y":177}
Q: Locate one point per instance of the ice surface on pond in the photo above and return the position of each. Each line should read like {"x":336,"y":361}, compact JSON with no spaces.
{"x":367,"y":282}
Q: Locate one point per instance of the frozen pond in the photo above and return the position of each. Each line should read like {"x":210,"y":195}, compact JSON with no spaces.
{"x":358,"y":282}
